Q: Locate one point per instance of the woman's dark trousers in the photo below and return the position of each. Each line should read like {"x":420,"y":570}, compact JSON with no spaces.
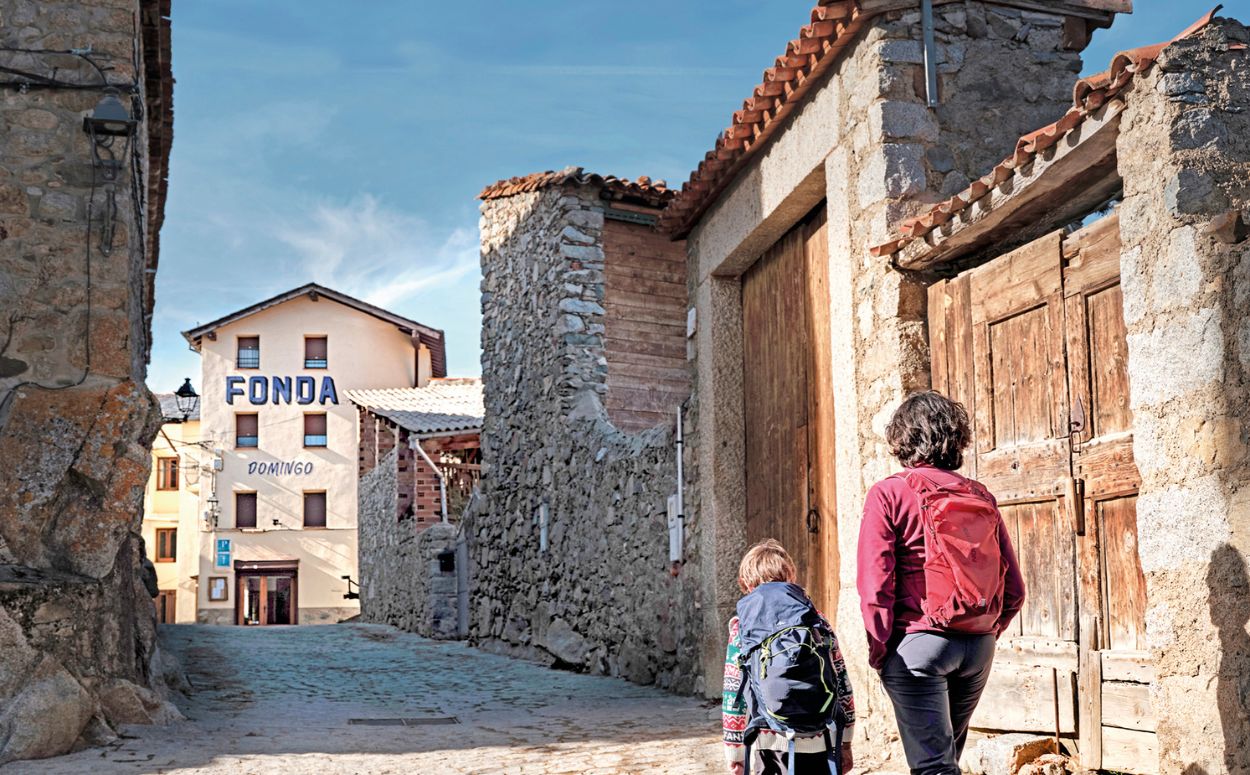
{"x":934,"y":681}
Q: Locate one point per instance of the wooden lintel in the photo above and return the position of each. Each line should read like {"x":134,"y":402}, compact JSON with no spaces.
{"x":1054,"y":186}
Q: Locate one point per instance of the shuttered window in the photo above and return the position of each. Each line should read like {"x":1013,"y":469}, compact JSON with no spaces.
{"x":315,"y":352}
{"x":314,"y":430}
{"x":249,"y":352}
{"x":246,"y":430}
{"x":166,"y":544}
{"x":167,"y":473}
{"x":245,"y":509}
{"x":314,"y":509}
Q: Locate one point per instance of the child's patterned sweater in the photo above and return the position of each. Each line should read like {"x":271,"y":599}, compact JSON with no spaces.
{"x":734,"y":714}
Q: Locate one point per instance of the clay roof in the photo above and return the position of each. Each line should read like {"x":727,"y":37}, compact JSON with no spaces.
{"x":431,"y":337}
{"x":655,"y":193}
{"x":1089,"y":95}
{"x":442,"y":407}
{"x":833,"y":27}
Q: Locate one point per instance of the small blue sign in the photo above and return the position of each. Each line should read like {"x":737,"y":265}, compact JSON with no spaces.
{"x":223,"y":553}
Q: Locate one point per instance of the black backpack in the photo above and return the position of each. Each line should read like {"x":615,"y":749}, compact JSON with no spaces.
{"x":786,"y":658}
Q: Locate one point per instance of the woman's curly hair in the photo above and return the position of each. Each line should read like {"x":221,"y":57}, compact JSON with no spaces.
{"x":929,"y":428}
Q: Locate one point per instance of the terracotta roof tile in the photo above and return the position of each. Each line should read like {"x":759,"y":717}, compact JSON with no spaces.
{"x":833,"y":25}
{"x":442,"y":406}
{"x":1088,"y":95}
{"x":653,"y":192}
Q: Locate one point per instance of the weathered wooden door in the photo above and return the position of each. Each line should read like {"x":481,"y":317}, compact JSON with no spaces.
{"x":788,"y":405}
{"x":1033,"y":343}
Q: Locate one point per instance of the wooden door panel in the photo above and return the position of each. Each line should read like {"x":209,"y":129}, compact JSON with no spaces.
{"x":789,"y":429}
{"x":1044,"y":547}
{"x":1124,"y":584}
{"x":1109,"y":410}
{"x":950,"y":348}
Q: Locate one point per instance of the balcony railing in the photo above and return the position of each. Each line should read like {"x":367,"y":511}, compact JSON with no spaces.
{"x":313,"y":440}
{"x":247,"y":441}
{"x":248,"y":359}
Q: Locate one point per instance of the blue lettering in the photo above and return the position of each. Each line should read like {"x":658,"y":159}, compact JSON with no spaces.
{"x":251,"y":467}
{"x":305,"y":388}
{"x":308,"y":468}
{"x":232,"y":388}
{"x":257,"y":390}
{"x":281,"y":389}
{"x":328,"y":391}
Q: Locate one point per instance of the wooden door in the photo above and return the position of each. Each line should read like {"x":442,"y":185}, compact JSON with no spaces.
{"x":1042,"y":330}
{"x":788,"y":405}
{"x":1117,"y":669}
{"x":166,"y":600}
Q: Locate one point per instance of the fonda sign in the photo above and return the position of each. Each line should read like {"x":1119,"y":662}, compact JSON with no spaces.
{"x":281,"y":390}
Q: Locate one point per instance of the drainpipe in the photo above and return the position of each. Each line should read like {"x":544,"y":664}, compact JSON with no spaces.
{"x":930,"y":53}
{"x":681,"y":479}
{"x":442,"y":482}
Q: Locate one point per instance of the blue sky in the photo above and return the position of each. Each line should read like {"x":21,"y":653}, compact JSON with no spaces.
{"x":344,"y":143}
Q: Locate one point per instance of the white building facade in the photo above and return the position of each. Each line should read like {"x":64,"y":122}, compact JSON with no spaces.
{"x":278,"y":450}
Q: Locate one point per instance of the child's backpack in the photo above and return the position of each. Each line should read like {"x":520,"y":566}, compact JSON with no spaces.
{"x":788,"y":678}
{"x":964,"y":571}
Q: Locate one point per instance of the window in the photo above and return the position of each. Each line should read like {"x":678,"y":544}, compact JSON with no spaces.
{"x":315,"y":352}
{"x":314,"y":509}
{"x":167,"y":473}
{"x":245,"y":509}
{"x":166,"y":544}
{"x":249,"y":352}
{"x":314,"y":430}
{"x":246,"y":430}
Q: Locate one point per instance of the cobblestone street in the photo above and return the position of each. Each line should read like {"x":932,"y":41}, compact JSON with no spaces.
{"x":283,"y":700}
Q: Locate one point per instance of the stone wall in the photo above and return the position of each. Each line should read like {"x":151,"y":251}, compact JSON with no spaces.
{"x":865,"y":142}
{"x":570,"y":551}
{"x":1184,"y":155}
{"x":401,"y":580}
{"x":78,"y":651}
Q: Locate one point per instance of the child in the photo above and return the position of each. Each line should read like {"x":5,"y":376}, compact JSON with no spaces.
{"x":765,"y":563}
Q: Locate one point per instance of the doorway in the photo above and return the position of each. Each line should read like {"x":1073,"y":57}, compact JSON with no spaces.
{"x":788,"y":405}
{"x":266,"y":593}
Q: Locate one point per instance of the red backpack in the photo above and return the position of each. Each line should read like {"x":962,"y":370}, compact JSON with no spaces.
{"x":964,"y":572}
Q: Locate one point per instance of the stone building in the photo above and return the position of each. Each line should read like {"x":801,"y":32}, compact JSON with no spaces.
{"x":419,"y":465}
{"x":1080,"y":298}
{"x":80,"y":214}
{"x":584,"y":368}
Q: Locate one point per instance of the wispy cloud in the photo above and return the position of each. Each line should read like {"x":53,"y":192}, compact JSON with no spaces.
{"x":383,"y":255}
{"x":614,"y":71}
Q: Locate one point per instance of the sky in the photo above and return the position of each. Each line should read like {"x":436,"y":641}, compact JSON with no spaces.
{"x":345,"y":143}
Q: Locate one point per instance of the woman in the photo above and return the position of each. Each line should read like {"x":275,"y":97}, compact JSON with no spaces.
{"x":931,"y":632}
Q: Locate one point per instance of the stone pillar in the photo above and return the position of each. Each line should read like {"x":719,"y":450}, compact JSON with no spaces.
{"x":1184,"y":155}
{"x":367,"y":454}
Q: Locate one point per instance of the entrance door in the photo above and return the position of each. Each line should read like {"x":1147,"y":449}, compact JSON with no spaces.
{"x":166,"y":601}
{"x":1033,"y":343}
{"x":267,"y":593}
{"x":788,"y":397}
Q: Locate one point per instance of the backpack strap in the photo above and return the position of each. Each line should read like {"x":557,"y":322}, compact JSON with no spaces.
{"x":790,"y":764}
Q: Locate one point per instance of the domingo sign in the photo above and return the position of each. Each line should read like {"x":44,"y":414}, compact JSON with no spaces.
{"x":282,"y":390}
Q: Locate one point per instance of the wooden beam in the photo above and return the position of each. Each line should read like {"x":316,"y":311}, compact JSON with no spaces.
{"x":1053,"y":188}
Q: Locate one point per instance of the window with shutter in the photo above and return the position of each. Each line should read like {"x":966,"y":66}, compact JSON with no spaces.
{"x":314,"y":509}
{"x":166,"y":544}
{"x":315,"y":352}
{"x":246,"y":430}
{"x":249,"y":352}
{"x":167,"y":473}
{"x":314,"y":430}
{"x":245,"y":509}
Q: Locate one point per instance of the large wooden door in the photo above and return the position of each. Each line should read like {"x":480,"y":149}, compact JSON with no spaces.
{"x":1033,"y":343}
{"x":788,"y":405}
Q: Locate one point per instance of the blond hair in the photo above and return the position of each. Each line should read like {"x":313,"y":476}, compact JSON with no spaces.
{"x":766,"y":561}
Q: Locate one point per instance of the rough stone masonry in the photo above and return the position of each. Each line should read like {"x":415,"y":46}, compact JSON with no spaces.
{"x":78,"y":650}
{"x":570,"y":550}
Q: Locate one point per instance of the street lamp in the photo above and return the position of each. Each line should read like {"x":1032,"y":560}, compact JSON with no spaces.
{"x":187,"y":399}
{"x":109,"y":121}
{"x":210,"y":516}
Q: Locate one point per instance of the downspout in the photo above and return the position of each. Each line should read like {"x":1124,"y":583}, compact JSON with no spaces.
{"x":442,"y":481}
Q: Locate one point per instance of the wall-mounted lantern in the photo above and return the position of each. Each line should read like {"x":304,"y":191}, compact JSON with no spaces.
{"x":211,"y":513}
{"x":109,"y":121}
{"x":187,"y":399}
